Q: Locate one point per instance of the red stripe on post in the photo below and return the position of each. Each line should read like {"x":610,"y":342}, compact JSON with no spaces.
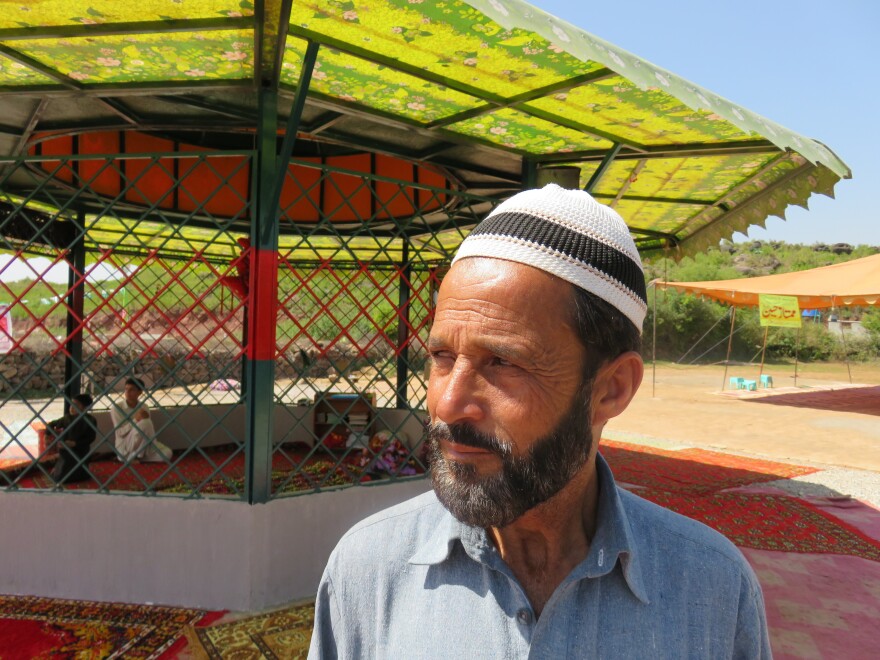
{"x":263,"y":304}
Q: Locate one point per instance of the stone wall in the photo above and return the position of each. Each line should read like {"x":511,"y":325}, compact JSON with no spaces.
{"x":35,"y":371}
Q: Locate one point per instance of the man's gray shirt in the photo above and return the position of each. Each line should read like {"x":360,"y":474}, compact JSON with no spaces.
{"x":413,"y":582}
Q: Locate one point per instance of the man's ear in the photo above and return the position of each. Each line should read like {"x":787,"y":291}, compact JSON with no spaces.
{"x":615,"y":386}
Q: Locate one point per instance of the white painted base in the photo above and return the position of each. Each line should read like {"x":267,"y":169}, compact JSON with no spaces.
{"x":210,"y":554}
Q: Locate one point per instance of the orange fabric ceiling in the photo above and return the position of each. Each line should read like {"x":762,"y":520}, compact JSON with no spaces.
{"x":854,"y":282}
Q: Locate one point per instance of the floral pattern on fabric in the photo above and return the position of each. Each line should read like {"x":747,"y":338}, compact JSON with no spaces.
{"x":354,"y":80}
{"x":517,"y":130}
{"x":703,"y":179}
{"x":220,"y":54}
{"x":448,"y":38}
{"x":648,"y":117}
{"x":42,"y":13}
{"x":589,"y":48}
{"x":706,"y":179}
{"x":14,"y":73}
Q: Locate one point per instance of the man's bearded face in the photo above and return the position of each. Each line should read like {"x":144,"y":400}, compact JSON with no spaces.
{"x":522,"y":482}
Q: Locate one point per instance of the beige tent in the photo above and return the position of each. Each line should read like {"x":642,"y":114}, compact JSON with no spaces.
{"x":855,"y":282}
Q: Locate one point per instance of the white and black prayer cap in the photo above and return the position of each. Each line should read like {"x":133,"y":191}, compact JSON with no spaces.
{"x":568,"y":234}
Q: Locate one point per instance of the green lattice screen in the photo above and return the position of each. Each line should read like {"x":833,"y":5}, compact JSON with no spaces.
{"x":163,"y":297}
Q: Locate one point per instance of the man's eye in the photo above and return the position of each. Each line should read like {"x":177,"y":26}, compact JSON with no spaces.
{"x":501,"y":362}
{"x":441,"y":356}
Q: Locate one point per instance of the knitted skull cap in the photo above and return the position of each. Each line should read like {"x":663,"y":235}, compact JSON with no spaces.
{"x":568,"y":234}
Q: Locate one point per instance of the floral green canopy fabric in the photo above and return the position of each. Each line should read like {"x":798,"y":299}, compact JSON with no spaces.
{"x":498,"y":84}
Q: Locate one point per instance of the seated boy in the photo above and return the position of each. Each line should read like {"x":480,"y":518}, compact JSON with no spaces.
{"x":74,"y":434}
{"x":135,"y":435}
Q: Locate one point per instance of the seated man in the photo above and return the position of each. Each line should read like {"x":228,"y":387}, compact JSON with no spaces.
{"x":135,"y":435}
{"x":73,"y":436}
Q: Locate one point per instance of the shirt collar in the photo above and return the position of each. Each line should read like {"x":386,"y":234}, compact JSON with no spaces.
{"x":613,"y":541}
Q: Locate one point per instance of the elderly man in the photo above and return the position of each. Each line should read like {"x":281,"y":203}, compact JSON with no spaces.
{"x":526,"y":547}
{"x":135,"y":434}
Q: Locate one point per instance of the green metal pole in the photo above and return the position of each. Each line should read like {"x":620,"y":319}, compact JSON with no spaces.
{"x":269,"y":172}
{"x":529,"y":174}
{"x":73,"y":358}
{"x":261,"y":309}
{"x":299,"y":103}
{"x":403,"y":329}
{"x":603,"y":167}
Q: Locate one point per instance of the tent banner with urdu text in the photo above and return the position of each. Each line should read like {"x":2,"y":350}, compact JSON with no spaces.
{"x":781,"y":311}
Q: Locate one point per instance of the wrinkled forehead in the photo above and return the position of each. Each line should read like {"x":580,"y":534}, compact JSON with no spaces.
{"x":487,"y":296}
{"x":537,"y":295}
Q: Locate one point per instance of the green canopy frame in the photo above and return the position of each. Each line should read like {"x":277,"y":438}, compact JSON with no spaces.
{"x":340,"y":151}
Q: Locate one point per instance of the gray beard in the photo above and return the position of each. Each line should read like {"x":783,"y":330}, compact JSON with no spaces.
{"x":522,"y":482}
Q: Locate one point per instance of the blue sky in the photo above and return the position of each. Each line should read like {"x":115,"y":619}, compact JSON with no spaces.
{"x":808,"y":65}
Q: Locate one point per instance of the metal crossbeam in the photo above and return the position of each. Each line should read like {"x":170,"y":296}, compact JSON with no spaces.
{"x":39,"y":67}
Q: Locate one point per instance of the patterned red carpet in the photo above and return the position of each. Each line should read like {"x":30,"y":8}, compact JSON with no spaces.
{"x":293,"y":470}
{"x":863,"y":400}
{"x":691,"y":471}
{"x":37,"y":628}
{"x":691,"y":481}
{"x":771,"y":522}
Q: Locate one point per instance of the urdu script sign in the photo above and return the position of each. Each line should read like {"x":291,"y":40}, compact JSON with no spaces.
{"x":781,"y":311}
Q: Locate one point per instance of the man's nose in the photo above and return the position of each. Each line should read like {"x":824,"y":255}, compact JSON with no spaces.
{"x":460,"y":394}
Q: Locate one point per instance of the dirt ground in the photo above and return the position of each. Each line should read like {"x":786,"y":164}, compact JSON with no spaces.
{"x":687,"y":409}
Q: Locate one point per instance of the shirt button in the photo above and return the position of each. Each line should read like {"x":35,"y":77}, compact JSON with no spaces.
{"x":524,"y":616}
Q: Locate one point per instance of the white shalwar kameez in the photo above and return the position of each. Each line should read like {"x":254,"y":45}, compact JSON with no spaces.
{"x":136,"y":438}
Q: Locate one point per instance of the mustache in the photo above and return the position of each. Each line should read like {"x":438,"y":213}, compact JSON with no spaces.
{"x":467,"y":435}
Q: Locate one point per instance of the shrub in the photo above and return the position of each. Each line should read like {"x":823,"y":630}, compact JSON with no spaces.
{"x":813,"y":343}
